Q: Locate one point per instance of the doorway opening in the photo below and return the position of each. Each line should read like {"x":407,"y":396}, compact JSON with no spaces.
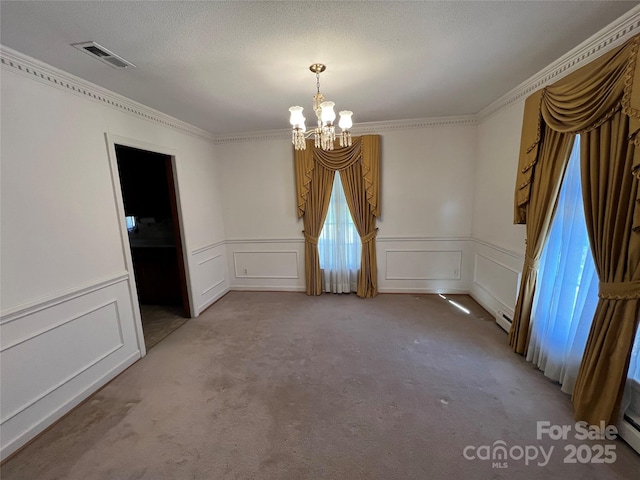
{"x":147,"y":181}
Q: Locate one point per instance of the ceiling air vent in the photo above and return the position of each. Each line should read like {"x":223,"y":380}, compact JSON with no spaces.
{"x":98,"y":52}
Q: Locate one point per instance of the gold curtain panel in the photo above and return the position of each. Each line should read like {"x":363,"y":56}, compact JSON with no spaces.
{"x":359,"y":167}
{"x":365,"y":148}
{"x":601,"y":102}
{"x":578,"y":103}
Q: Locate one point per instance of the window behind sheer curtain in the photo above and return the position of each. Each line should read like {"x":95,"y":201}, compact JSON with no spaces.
{"x":567,"y":289}
{"x":567,"y":295}
{"x":339,"y":244}
{"x":631,"y":400}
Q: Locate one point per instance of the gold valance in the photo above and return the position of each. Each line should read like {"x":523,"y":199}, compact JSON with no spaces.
{"x":578,"y":103}
{"x":365,"y":149}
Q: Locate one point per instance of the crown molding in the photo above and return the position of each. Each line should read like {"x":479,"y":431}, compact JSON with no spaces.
{"x":450,"y":121}
{"x":608,"y":38}
{"x":22,"y":64}
{"x":358,"y":129}
{"x":605,"y":40}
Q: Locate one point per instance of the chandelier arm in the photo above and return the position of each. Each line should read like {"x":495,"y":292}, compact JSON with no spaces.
{"x":310,"y":133}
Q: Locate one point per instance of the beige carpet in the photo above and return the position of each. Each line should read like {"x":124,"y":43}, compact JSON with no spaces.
{"x":158,"y":321}
{"x":285,"y":386}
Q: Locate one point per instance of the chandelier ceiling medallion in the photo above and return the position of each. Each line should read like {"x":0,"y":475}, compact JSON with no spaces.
{"x":325,"y":133}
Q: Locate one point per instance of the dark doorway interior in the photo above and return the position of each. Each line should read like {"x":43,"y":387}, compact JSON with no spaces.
{"x":150,"y":207}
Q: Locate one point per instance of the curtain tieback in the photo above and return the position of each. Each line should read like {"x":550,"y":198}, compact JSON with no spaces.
{"x":531,"y":262}
{"x":619,"y":290}
{"x":309,"y":238}
{"x":369,"y":236}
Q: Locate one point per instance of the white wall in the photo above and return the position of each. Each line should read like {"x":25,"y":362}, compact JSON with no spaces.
{"x":497,"y":154}
{"x":498,"y":243}
{"x":425,"y":227}
{"x":70,"y":321}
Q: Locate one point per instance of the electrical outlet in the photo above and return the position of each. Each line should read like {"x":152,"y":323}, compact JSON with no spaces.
{"x":245,"y":271}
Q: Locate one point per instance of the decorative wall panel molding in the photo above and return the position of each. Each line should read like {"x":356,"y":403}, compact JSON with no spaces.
{"x":210,"y":267}
{"x":56,"y":353}
{"x":405,"y":238}
{"x":207,"y":247}
{"x":217,"y":271}
{"x":497,"y":279}
{"x":274,"y":264}
{"x":423,"y":264}
{"x":511,"y":253}
{"x":238,"y":241}
{"x":23,"y":354}
{"x":209,"y":259}
{"x":49,"y":301}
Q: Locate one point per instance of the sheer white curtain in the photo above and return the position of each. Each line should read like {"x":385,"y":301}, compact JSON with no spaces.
{"x":339,"y":245}
{"x":634,"y":367}
{"x":631,"y":399}
{"x":567,"y":288}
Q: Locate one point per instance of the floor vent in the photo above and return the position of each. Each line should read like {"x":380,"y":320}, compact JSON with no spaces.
{"x":98,"y":52}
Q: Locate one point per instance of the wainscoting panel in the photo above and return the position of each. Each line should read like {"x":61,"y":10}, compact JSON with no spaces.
{"x":496,"y":280}
{"x":210,"y":265}
{"x":55,"y":354}
{"x":424,"y":265}
{"x":266,"y":264}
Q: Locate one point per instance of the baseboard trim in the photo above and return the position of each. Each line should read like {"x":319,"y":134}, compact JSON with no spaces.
{"x":202,"y":307}
{"x":502,"y":323}
{"x":478,"y":297}
{"x":40,"y":427}
{"x":630,"y":434}
{"x":267,"y":288}
{"x":442,"y":290}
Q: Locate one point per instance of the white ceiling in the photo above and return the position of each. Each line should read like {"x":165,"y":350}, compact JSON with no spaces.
{"x":238,"y":66}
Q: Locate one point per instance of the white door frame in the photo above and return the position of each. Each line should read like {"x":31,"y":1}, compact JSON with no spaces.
{"x":112,"y":141}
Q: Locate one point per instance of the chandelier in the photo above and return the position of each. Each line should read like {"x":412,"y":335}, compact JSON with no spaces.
{"x":325,"y":133}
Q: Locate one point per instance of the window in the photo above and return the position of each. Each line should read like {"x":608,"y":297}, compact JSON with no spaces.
{"x":567,"y":292}
{"x":631,"y":400}
{"x":566,"y":299}
{"x":131,"y":223}
{"x":339,"y":244}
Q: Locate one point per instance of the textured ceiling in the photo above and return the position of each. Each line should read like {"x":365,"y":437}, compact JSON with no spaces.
{"x":238,"y":66}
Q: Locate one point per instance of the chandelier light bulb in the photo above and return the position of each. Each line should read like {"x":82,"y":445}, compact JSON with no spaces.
{"x":345,"y":122}
{"x":328,"y":115}
{"x":297,"y":119}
